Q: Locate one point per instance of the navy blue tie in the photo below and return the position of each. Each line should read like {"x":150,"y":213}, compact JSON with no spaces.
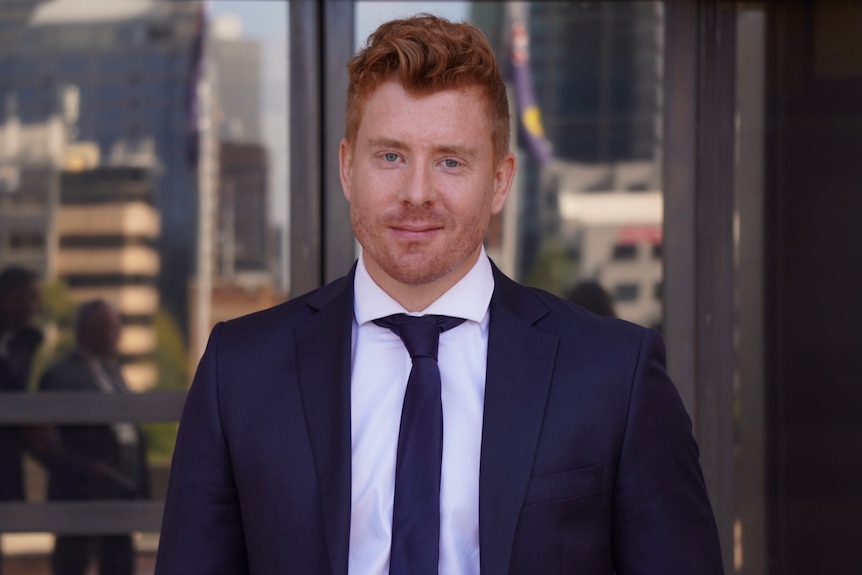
{"x":416,"y":513}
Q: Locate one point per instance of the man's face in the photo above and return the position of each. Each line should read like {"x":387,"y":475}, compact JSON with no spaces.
{"x":21,"y":305}
{"x":103,"y":335}
{"x":422,"y":183}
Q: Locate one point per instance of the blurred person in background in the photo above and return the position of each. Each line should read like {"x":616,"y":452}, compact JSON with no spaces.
{"x":590,"y":295}
{"x":20,"y":301}
{"x":92,"y":462}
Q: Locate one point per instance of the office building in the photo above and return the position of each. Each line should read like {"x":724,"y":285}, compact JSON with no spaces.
{"x":131,"y":64}
{"x":108,"y":229}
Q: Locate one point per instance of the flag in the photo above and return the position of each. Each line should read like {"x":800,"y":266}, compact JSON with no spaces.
{"x":530,"y":130}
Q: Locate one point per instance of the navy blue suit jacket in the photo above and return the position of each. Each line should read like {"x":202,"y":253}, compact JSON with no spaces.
{"x":588,"y":463}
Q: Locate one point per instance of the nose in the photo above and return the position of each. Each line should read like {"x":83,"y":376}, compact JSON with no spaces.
{"x":418,"y":186}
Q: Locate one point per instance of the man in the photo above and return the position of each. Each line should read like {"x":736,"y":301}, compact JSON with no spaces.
{"x":565,"y":448}
{"x":20,"y":301}
{"x":87,"y":462}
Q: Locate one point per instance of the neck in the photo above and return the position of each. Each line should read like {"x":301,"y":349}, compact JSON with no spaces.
{"x":415,"y":298}
{"x":87,"y":351}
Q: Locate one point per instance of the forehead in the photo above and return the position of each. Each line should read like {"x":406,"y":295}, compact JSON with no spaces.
{"x":391,"y":111}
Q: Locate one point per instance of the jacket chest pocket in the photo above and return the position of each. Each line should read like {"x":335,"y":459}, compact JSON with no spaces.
{"x":566,"y":485}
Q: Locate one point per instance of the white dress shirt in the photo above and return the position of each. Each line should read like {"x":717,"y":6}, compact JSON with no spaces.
{"x":381,"y":366}
{"x":125,"y":433}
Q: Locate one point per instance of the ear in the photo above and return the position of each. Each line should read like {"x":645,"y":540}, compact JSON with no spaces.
{"x":345,"y":166}
{"x":503,"y":177}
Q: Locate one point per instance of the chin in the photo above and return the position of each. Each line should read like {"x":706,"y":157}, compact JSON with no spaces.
{"x":415,"y":277}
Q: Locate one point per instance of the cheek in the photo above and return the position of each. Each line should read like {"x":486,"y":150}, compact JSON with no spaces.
{"x":366,"y":191}
{"x":363,"y":206}
{"x":479,"y":207}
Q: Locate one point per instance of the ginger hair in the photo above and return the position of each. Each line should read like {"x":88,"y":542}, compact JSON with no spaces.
{"x":427,"y":54}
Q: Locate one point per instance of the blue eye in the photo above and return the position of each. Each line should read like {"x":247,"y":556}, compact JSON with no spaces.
{"x":450,"y":163}
{"x":390,"y":157}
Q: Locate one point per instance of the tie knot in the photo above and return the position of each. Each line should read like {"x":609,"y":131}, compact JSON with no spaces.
{"x":420,"y":334}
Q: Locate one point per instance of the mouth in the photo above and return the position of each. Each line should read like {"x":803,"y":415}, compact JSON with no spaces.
{"x":415,"y":231}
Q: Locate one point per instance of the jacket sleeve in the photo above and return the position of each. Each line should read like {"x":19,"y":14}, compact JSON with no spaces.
{"x":662,"y":518}
{"x":202,"y":529}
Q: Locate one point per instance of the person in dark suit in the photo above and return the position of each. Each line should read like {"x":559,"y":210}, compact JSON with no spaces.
{"x":92,"y":462}
{"x":590,"y":295}
{"x":20,"y":301}
{"x":564,"y":447}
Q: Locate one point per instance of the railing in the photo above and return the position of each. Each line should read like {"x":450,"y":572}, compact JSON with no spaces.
{"x":71,"y":408}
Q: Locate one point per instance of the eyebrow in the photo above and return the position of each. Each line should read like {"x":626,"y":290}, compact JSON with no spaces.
{"x":462,"y":151}
{"x":386,"y":143}
{"x":399,"y":145}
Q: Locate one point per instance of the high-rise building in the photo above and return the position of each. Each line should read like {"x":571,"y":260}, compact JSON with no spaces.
{"x":245,"y":241}
{"x":31,"y":157}
{"x":131,"y":64}
{"x":597,"y":68}
{"x":237,"y":63}
{"x":108,"y":229}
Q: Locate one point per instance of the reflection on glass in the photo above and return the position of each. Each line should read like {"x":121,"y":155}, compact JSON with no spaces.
{"x":143,"y":150}
{"x":24,"y":553}
{"x":586,"y":79}
{"x":19,"y":302}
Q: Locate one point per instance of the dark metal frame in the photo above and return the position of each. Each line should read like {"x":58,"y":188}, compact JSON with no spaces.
{"x":77,"y":408}
{"x":102,"y":517}
{"x":699,"y":243}
{"x":321,"y":43}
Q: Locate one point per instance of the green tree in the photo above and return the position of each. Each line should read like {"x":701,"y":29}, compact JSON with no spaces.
{"x":56,"y":319}
{"x":555,"y":271}
{"x":171,"y":355}
{"x":171,"y":359}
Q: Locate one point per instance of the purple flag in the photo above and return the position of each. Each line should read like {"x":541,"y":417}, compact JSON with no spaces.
{"x":530,"y":131}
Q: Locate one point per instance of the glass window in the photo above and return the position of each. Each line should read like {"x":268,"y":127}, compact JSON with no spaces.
{"x":149,"y":170}
{"x":596,"y":72}
{"x":625,"y":252}
{"x":626,"y":292}
{"x":161,"y":187}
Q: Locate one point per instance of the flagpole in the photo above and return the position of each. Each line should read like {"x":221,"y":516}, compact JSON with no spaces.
{"x":207,"y":184}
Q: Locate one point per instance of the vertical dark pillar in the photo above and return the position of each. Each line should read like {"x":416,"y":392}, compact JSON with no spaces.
{"x":306,"y":113}
{"x":813,"y":285}
{"x":698,"y":220}
{"x":339,"y":245}
{"x":321,"y":42}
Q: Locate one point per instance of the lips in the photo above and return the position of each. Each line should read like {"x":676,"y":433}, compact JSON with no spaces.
{"x":416,"y":228}
{"x":415,"y":225}
{"x":415,"y":232}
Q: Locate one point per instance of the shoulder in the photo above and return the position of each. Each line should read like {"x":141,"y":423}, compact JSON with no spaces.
{"x":275,"y":322}
{"x":563,"y":318}
{"x":65,"y":374}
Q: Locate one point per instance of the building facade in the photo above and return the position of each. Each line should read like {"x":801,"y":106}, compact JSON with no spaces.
{"x":108,"y":232}
{"x":131,"y":64}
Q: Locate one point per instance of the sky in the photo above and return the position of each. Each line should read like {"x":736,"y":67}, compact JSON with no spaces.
{"x":264,"y":18}
{"x":369,"y":15}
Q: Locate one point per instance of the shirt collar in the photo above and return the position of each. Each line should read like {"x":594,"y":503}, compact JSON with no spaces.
{"x":468,"y":299}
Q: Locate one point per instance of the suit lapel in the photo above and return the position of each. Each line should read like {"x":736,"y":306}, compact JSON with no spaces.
{"x":520,"y":366}
{"x":323,"y":344}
